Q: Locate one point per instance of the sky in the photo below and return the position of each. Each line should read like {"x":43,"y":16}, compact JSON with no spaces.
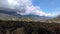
{"x":35,"y":7}
{"x":48,"y":6}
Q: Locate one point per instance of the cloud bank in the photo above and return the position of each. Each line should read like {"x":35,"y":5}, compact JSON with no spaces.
{"x":25,"y":7}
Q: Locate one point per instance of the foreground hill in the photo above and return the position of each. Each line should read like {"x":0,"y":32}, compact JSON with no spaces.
{"x":25,"y":27}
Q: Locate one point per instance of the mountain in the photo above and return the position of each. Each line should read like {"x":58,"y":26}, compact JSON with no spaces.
{"x":54,"y":20}
{"x":57,"y":18}
{"x":36,"y":17}
{"x":6,"y":13}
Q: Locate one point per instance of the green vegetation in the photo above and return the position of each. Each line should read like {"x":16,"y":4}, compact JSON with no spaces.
{"x":33,"y":26}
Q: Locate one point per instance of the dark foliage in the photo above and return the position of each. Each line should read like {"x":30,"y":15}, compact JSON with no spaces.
{"x":29,"y":27}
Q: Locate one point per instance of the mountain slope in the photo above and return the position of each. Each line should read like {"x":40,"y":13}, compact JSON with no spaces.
{"x":8,"y":14}
{"x":36,"y":17}
{"x":54,"y":20}
{"x":12,"y":13}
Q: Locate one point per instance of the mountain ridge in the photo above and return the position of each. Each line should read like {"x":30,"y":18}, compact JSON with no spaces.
{"x":12,"y":12}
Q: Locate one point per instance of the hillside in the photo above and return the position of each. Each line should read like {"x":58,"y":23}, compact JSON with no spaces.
{"x":36,"y":17}
{"x":54,"y":20}
{"x":8,"y":17}
{"x":32,"y":27}
{"x":11,"y":14}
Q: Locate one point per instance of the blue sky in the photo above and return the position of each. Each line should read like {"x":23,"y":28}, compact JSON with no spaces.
{"x":48,"y":6}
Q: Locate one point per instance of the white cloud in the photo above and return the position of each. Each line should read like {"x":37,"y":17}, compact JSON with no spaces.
{"x":25,"y":6}
{"x":30,"y":9}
